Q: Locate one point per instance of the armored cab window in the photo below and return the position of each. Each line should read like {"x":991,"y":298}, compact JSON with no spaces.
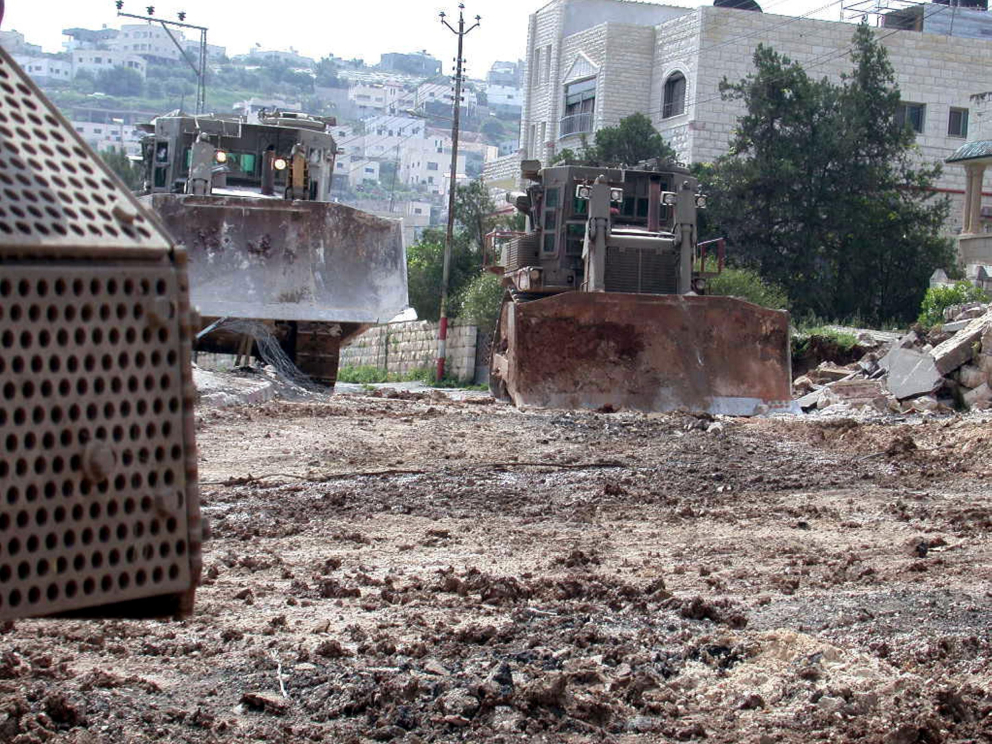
{"x":674,"y":103}
{"x":550,"y":207}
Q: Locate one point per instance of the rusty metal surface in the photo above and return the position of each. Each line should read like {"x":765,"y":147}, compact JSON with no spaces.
{"x":97,"y":463}
{"x":644,"y":352}
{"x":287,"y":260}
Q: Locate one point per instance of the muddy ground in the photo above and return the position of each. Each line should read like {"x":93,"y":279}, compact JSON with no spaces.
{"x":423,"y":569}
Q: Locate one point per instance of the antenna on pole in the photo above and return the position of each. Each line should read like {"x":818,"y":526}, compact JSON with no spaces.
{"x":460,"y":32}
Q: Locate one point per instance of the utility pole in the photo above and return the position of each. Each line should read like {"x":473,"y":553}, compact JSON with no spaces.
{"x":442,"y":333}
{"x":200,"y":70}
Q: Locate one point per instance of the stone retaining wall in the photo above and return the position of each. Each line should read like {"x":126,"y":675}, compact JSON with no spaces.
{"x":399,"y":348}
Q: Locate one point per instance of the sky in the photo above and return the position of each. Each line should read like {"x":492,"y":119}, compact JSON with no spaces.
{"x":345,"y":28}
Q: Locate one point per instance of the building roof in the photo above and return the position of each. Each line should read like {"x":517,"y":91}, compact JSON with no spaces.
{"x":972,"y":151}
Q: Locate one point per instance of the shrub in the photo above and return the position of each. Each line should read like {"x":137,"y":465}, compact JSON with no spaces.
{"x":365,"y":374}
{"x":937,"y":299}
{"x":481,"y":300}
{"x":748,"y":285}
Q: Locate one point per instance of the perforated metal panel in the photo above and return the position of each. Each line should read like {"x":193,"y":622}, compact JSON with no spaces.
{"x":52,"y":189}
{"x":98,"y":500}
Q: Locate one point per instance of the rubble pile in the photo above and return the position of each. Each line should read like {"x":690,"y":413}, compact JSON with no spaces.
{"x":947,"y":368}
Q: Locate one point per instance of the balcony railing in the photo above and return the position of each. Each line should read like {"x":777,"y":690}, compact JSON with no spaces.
{"x":575,"y":124}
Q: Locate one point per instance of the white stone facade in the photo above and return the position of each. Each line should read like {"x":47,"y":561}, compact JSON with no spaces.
{"x":632,"y":49}
{"x":98,"y":60}
{"x":44,"y":69}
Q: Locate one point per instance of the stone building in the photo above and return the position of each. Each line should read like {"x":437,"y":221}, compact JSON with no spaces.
{"x":592,"y":62}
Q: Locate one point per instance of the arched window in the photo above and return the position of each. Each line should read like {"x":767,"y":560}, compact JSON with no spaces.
{"x":674,"y":96}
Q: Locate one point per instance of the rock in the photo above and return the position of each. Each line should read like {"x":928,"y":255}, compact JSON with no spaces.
{"x":984,"y":360}
{"x":546,"y":692}
{"x":507,"y":719}
{"x":954,"y":326}
{"x":852,"y":392}
{"x":830,"y":704}
{"x":828,"y":372}
{"x":811,"y":400}
{"x":958,"y":349}
{"x":433,"y":666}
{"x":979,"y":396}
{"x":925,"y":403}
{"x":911,"y":373}
{"x":802,"y":385}
{"x":459,"y":703}
{"x":268,"y":702}
{"x":972,"y":376}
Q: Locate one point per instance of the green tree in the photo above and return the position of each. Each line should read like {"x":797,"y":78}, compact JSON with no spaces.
{"x":424,"y":268}
{"x":633,"y":140}
{"x":120,"y":81}
{"x":819,"y":191}
{"x":474,"y":217}
{"x":119,"y":163}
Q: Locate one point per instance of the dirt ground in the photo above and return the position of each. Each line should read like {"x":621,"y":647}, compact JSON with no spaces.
{"x":418,"y":568}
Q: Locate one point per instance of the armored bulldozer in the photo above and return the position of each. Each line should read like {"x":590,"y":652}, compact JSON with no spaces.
{"x":250,"y":203}
{"x":606,"y":307}
{"x":99,"y":509}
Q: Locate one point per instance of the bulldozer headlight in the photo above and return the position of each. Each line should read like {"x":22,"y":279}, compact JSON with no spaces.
{"x":700,"y":201}
{"x":616,"y":195}
{"x":279,"y":164}
{"x":583,"y":192}
{"x":670,"y":198}
{"x":220,"y":156}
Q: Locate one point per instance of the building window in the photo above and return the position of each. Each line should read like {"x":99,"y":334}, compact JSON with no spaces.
{"x":432,"y":166}
{"x":674,"y":96}
{"x":580,"y":102}
{"x":957,"y":123}
{"x":911,"y":115}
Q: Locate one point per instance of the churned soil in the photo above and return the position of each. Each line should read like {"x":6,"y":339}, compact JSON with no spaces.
{"x":411,"y":567}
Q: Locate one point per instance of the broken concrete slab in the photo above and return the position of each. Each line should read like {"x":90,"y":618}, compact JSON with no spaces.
{"x":955,"y":325}
{"x":811,"y":400}
{"x":972,"y":376}
{"x":958,"y":349}
{"x":979,"y":396}
{"x":854,"y":393}
{"x":228,"y":389}
{"x":911,"y":373}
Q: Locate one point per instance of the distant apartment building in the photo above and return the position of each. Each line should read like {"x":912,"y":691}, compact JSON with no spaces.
{"x":427,"y":163}
{"x":98,"y":60}
{"x":443,"y":93}
{"x":45,"y":69}
{"x":15,"y":43}
{"x":371,"y":99}
{"x":504,"y":100}
{"x":420,"y":64}
{"x":109,"y":135}
{"x":506,"y":74}
{"x":590,"y":63}
{"x":290,"y":57}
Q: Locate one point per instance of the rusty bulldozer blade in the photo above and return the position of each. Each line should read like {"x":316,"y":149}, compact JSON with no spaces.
{"x":615,"y":351}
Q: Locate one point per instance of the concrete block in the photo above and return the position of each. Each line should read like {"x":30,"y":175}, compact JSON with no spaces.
{"x":954,"y":326}
{"x":911,"y":373}
{"x":972,"y":376}
{"x":957,"y":350}
{"x":978,"y":396}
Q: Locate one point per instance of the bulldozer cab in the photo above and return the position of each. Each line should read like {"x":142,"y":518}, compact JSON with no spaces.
{"x":637,"y":227}
{"x":285,"y":156}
